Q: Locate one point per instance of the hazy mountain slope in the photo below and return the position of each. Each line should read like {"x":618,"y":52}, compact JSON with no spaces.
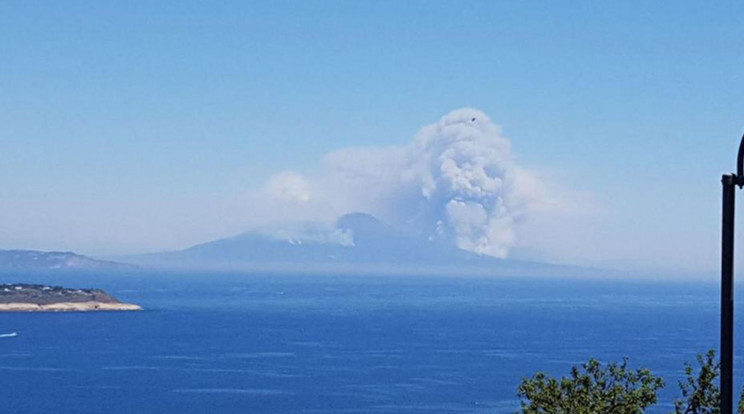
{"x":39,"y":260}
{"x":373,"y":246}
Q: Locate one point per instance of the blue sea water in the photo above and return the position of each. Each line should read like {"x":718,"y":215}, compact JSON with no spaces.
{"x":251,"y":343}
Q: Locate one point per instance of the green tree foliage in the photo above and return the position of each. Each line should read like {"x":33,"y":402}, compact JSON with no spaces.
{"x":590,"y":389}
{"x":614,"y":389}
{"x":700,"y":393}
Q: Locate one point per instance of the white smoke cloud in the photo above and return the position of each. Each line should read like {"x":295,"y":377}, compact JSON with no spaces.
{"x":304,"y":232}
{"x":456,"y":182}
{"x":289,"y":186}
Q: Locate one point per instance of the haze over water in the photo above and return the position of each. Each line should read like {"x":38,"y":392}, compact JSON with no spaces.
{"x":237,"y":343}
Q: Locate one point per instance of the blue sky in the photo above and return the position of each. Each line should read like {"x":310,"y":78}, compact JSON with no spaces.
{"x":140,"y":126}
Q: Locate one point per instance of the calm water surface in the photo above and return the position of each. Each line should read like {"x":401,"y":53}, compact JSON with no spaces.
{"x":311,"y":344}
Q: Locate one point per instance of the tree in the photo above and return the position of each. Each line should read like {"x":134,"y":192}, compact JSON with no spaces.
{"x":700,"y":394}
{"x":590,"y":389}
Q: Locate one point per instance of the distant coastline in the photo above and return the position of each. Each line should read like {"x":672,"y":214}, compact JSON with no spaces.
{"x":35,"y":260}
{"x":42,"y":298}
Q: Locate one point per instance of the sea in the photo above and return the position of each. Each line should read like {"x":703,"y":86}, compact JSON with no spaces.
{"x":279,"y":344}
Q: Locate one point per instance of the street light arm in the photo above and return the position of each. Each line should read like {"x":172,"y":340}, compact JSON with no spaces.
{"x":740,"y":164}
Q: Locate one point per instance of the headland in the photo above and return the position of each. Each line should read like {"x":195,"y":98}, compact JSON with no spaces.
{"x":20,"y":297}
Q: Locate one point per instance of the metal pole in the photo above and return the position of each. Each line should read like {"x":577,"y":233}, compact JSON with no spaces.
{"x":729,"y":182}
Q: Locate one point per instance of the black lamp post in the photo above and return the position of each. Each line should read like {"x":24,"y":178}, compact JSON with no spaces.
{"x":729,"y":181}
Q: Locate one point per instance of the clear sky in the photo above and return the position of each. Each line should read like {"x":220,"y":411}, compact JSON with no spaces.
{"x":139,"y":126}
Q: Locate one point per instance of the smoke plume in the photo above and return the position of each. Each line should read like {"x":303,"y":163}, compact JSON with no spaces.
{"x":457,"y":182}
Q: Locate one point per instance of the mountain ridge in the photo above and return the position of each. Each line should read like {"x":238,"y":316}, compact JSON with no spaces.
{"x":37,"y":260}
{"x":357,"y":242}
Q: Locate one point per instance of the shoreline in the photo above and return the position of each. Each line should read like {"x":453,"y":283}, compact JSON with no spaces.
{"x":92,"y":306}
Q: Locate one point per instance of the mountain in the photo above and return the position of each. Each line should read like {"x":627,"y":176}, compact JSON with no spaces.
{"x":34,"y":260}
{"x":357,"y":243}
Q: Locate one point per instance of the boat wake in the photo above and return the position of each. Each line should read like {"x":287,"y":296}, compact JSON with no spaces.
{"x":9,"y":335}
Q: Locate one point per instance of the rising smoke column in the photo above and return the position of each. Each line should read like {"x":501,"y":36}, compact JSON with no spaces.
{"x":456,"y":183}
{"x":470,"y":182}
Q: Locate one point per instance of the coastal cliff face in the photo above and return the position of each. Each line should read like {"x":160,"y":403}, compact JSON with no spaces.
{"x":41,"y":298}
